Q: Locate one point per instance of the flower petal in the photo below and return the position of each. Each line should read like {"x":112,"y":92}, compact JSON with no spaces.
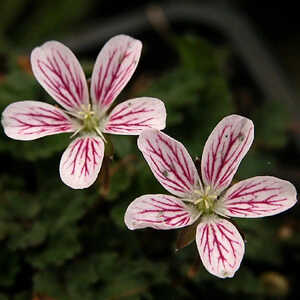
{"x":220,"y":246}
{"x":114,"y":67}
{"x":81,"y":162}
{"x":58,"y":71}
{"x":30,"y":120}
{"x":170,"y":163}
{"x":259,"y":196}
{"x":159,"y":212}
{"x":135,"y":115}
{"x":224,"y":150}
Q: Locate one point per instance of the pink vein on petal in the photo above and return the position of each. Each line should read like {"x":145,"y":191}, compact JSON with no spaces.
{"x":82,"y":161}
{"x":158,"y":211}
{"x":82,"y":149}
{"x":42,"y":122}
{"x":106,"y":94}
{"x":28,"y":120}
{"x":258,"y":196}
{"x":135,"y":115}
{"x":170,"y":163}
{"x":221,"y":247}
{"x":224,"y":151}
{"x":114,"y":67}
{"x":60,"y":73}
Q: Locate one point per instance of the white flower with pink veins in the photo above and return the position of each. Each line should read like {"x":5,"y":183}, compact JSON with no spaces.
{"x":58,"y":71}
{"x":208,"y":202}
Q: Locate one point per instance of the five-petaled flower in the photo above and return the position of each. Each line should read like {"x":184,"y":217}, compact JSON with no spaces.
{"x":207,"y":201}
{"x":59,"y":72}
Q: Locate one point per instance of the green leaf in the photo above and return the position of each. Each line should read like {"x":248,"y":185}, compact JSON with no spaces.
{"x":59,"y":249}
{"x":10,"y":267}
{"x":34,"y":236}
{"x":198,"y":54}
{"x":272,"y":122}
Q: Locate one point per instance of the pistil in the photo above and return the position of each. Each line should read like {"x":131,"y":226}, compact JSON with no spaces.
{"x":205,"y":200}
{"x":89,"y":121}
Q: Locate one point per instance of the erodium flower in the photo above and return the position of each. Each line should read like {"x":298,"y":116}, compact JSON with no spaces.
{"x":60,"y":74}
{"x":209,"y":201}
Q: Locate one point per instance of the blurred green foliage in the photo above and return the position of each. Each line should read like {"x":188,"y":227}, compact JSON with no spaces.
{"x":27,"y":22}
{"x":69,"y":244}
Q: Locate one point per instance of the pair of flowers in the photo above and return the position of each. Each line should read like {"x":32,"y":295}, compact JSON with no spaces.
{"x":207,"y":202}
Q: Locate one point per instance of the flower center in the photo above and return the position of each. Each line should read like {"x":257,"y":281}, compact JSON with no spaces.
{"x":205,"y":200}
{"x":88,"y":118}
{"x":90,"y":121}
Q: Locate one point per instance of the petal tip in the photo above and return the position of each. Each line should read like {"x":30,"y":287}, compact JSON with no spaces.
{"x":158,"y":211}
{"x":30,"y":120}
{"x":115,"y":65}
{"x":133,"y":116}
{"x":59,"y":72}
{"x":81,"y":162}
{"x":73,"y":184}
{"x":128,"y":37}
{"x":220,"y":246}
{"x":259,"y":196}
{"x":128,"y":220}
{"x":224,"y":150}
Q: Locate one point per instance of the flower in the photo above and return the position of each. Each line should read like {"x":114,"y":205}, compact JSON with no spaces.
{"x":58,"y":71}
{"x":209,"y":200}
